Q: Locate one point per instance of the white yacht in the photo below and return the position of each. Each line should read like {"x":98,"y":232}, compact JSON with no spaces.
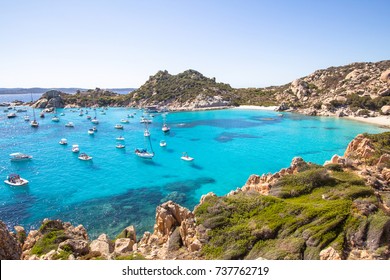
{"x":69,"y":124}
{"x":84,"y":156}
{"x":185,"y":157}
{"x":19,"y":157}
{"x":75,"y":148}
{"x":163,"y":143}
{"x":63,"y":141}
{"x":143,"y":153}
{"x":118,"y":126}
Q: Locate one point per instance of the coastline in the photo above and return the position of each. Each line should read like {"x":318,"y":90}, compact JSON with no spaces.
{"x":383,"y":121}
{"x":254,"y":107}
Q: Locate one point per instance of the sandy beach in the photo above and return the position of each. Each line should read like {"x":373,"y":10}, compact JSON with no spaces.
{"x":253,"y":107}
{"x":381,"y":120}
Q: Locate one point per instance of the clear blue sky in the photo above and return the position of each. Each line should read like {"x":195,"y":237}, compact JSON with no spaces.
{"x":117,"y":43}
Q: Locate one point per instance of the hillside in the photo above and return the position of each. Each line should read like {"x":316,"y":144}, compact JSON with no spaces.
{"x":185,"y":91}
{"x":354,"y":89}
{"x":357,"y":89}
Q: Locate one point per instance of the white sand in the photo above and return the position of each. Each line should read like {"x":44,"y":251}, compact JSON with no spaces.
{"x":381,"y":120}
{"x":253,"y":107}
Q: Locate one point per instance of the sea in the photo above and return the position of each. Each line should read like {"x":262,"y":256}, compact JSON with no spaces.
{"x":117,"y":189}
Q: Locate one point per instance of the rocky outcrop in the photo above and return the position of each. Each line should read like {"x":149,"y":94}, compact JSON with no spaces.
{"x":102,"y":245}
{"x":329,"y":254}
{"x":50,"y":99}
{"x":385,"y":110}
{"x":262,"y":184}
{"x":65,"y":240}
{"x":10,"y":248}
{"x":175,"y":228}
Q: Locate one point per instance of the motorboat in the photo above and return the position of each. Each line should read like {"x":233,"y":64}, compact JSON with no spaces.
{"x":124,"y":121}
{"x":94,"y":128}
{"x":55,"y":119}
{"x":69,"y":124}
{"x":145,"y":120}
{"x":63,"y":141}
{"x":62,"y":114}
{"x":34,"y":123}
{"x":143,"y":153}
{"x":75,"y":148}
{"x":26,"y":118}
{"x":91,"y":131}
{"x":89,"y":117}
{"x":19,"y":157}
{"x":11,"y":115}
{"x":163,"y":143}
{"x":120,"y":146}
{"x":95,"y":121}
{"x":147,"y":133}
{"x":120,"y":138}
{"x":84,"y":156}
{"x":185,"y":157}
{"x":15,"y":180}
{"x":165,"y":128}
{"x":42,"y":115}
{"x":118,"y":126}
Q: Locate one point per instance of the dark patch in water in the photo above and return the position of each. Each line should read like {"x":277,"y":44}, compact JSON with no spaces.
{"x":189,"y":185}
{"x":196,"y":166}
{"x":331,"y":128}
{"x":309,"y":127}
{"x":13,"y":213}
{"x":194,"y":139}
{"x":309,"y":153}
{"x":135,"y":207}
{"x":171,"y":151}
{"x":221,"y":123}
{"x":227,"y":136}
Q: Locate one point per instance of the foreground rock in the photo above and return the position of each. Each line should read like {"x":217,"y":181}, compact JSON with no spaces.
{"x":10,"y":248}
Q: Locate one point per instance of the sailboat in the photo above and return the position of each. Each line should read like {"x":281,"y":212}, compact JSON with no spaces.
{"x":34,"y":122}
{"x":94,"y":120}
{"x":55,"y":118}
{"x":165,"y":128}
{"x":143,"y":152}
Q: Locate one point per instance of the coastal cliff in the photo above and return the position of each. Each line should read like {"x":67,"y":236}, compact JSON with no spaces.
{"x":340,"y":210}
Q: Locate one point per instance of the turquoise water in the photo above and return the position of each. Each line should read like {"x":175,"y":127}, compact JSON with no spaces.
{"x":117,"y":188}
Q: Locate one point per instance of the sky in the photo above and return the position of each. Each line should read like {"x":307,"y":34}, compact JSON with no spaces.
{"x":120,"y":43}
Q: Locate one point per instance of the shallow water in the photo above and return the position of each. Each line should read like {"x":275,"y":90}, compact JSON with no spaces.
{"x":117,"y":188}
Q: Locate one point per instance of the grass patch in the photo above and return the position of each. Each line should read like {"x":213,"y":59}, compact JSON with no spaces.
{"x":48,"y":242}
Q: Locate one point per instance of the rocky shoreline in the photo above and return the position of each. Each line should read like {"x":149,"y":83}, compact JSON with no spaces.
{"x":183,"y":234}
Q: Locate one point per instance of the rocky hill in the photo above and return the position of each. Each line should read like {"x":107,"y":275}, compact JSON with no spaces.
{"x":337,"y":211}
{"x":185,"y":91}
{"x":354,"y":89}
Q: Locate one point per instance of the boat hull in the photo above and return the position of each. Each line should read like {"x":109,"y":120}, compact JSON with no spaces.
{"x":22,"y":182}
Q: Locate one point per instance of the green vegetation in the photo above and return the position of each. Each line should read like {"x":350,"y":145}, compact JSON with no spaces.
{"x":255,"y":96}
{"x":48,"y":242}
{"x":131,"y":257}
{"x":314,"y":209}
{"x":356,"y":102}
{"x":381,"y":143}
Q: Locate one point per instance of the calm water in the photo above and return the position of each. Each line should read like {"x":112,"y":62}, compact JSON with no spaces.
{"x":19,"y":97}
{"x":117,"y":189}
